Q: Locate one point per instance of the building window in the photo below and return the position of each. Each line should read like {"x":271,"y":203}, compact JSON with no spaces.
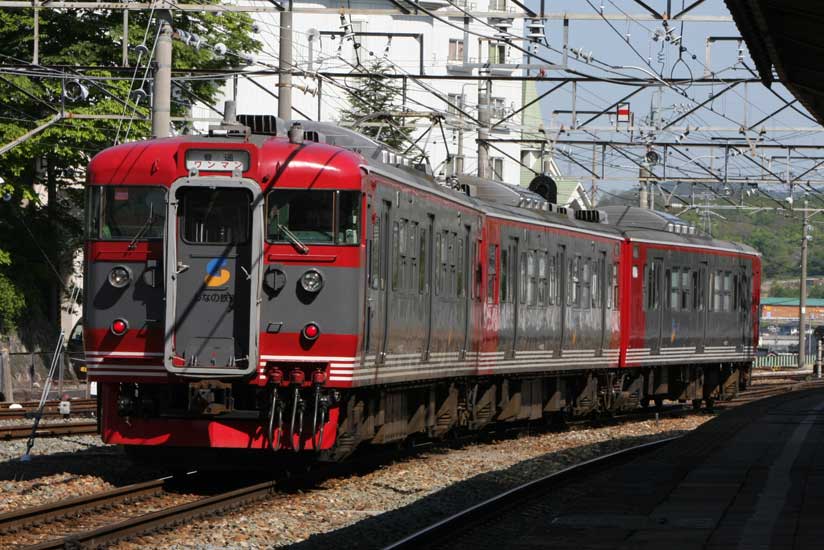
{"x":497,"y":53}
{"x":456,"y":101}
{"x":497,"y":107}
{"x":497,"y":5}
{"x":497,"y":168}
{"x":456,"y":49}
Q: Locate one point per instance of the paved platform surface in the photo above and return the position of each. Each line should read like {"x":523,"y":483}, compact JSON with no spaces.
{"x":753,"y":478}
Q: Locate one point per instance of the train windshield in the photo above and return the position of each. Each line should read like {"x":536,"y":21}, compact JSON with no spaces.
{"x":126,"y":212}
{"x":316,"y":217}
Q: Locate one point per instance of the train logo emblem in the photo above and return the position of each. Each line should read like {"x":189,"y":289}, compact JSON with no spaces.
{"x":216,"y":273}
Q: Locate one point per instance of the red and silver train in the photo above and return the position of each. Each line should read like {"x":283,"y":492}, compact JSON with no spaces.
{"x":306,"y":290}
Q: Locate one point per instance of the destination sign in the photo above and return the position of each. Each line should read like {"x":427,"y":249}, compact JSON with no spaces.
{"x":217,"y":160}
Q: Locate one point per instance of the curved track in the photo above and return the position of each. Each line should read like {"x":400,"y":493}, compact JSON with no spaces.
{"x":476,"y":515}
{"x":172,"y":515}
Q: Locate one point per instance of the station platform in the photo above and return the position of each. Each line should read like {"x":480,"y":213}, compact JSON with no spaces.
{"x":752,"y":478}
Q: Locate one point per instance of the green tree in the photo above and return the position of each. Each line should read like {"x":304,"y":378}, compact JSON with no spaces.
{"x":377,"y":97}
{"x":80,"y":51}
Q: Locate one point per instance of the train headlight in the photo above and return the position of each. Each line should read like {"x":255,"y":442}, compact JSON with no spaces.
{"x":312,"y":281}
{"x":120,"y":276}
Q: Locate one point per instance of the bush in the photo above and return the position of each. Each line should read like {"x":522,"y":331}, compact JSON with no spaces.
{"x":12,"y":303}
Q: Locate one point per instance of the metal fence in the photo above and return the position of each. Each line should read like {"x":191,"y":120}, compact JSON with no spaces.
{"x":779,"y":360}
{"x":30,"y":369}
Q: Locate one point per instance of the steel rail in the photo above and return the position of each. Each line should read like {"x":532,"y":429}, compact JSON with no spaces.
{"x":14,"y":521}
{"x":168,"y":517}
{"x":480,"y":512}
{"x":47,"y":430}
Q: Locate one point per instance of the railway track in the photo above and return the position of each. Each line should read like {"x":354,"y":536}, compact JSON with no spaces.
{"x":446,"y":529}
{"x":47,"y":430}
{"x":79,"y":407}
{"x":168,"y":516}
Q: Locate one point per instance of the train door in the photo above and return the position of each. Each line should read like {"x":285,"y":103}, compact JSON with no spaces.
{"x":561,"y":297}
{"x":703,"y":304}
{"x":507,"y":332}
{"x":213,"y":248}
{"x":428,"y":274}
{"x":603,"y":288}
{"x":741,"y":302}
{"x":466,"y":289}
{"x":514,"y":277}
{"x":656,"y":311}
{"x":386,"y":245}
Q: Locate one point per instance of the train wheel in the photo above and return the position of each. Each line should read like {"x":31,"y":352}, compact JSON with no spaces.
{"x":645,"y":402}
{"x":696,"y":404}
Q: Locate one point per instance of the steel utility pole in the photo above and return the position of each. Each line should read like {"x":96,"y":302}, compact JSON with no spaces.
{"x":802,"y":313}
{"x":483,"y":128}
{"x":285,"y":64}
{"x":162,"y":89}
{"x":643,"y":180}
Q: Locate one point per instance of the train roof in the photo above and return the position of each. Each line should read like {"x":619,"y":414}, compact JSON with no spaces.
{"x":335,"y":150}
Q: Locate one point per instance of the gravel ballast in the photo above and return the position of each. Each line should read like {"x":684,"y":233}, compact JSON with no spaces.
{"x":372,"y":510}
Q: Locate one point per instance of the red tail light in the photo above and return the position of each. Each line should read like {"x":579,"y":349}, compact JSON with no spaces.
{"x":311,"y":331}
{"x":119,"y":327}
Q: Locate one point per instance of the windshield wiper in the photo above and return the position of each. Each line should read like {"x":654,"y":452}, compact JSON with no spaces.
{"x":143,"y":228}
{"x":302,"y":248}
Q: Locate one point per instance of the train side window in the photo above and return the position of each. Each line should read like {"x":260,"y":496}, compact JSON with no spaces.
{"x":375,"y":259}
{"x":552,"y":281}
{"x":727,"y":291}
{"x":586,"y":284}
{"x":412,"y":255}
{"x":531,"y":268}
{"x":396,"y":256}
{"x":453,"y":271}
{"x":615,"y":286}
{"x":504,"y":294}
{"x":673,"y":279}
{"x":436,"y":261}
{"x":735,"y":292}
{"x":490,"y":274}
{"x":542,"y":282}
{"x":715,"y":286}
{"x":422,"y":262}
{"x":685,"y":290}
{"x":598,"y":269}
{"x":522,"y":278}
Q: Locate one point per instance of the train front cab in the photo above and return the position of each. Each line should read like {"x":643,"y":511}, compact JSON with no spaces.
{"x":221,"y":306}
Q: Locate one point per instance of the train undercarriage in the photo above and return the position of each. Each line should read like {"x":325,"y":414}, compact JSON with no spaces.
{"x":337,"y":422}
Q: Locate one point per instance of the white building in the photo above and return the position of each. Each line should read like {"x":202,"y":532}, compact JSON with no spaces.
{"x":437,"y":45}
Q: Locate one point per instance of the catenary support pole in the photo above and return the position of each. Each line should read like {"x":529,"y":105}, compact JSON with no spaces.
{"x":802,"y":310}
{"x":162,"y":93}
{"x":483,"y":128}
{"x":125,"y":53}
{"x":285,"y":64}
